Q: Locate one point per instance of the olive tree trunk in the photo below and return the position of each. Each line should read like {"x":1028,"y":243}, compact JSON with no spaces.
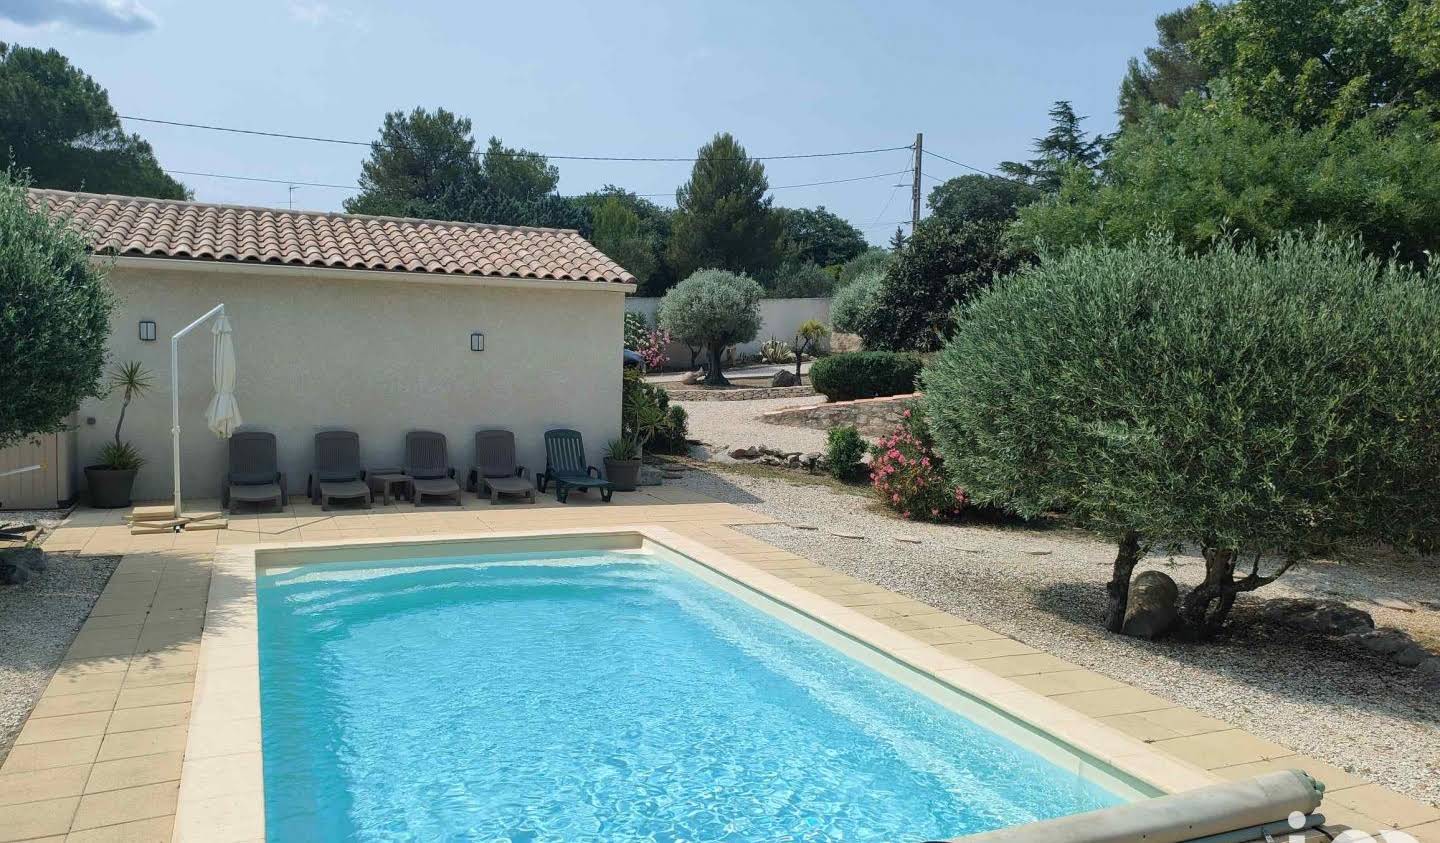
{"x":715,"y":377}
{"x":1127,"y":555}
{"x":1207,"y":607}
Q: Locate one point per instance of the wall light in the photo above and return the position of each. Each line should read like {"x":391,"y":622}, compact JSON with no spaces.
{"x":147,"y":330}
{"x":477,"y":341}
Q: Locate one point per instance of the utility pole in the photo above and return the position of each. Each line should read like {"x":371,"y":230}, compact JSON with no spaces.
{"x":915,"y":187}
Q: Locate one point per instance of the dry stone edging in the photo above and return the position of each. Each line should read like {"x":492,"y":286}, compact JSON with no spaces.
{"x":871,"y":416}
{"x":1357,"y":628}
{"x":756,"y":394}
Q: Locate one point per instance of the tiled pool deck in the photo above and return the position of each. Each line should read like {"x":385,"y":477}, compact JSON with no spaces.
{"x":101,"y":757}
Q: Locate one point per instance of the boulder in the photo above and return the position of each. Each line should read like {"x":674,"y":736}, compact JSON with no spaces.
{"x":1411,"y":655}
{"x":784,"y":377}
{"x":1428,"y":672}
{"x":1153,"y":606}
{"x":748,"y":452}
{"x":1327,"y":617}
{"x":1382,"y":642}
{"x":11,"y":574}
{"x":692,"y":378}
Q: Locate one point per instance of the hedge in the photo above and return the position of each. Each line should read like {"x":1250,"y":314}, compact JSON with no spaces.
{"x":865,"y":374}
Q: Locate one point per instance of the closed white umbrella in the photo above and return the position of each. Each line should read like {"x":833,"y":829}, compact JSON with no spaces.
{"x":223,"y":415}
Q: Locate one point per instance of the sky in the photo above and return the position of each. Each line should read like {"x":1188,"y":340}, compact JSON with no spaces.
{"x":600,"y":78}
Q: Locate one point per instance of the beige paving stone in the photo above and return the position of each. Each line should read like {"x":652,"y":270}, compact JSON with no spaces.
{"x":958,"y":633}
{"x":63,"y":727}
{"x":109,"y":647}
{"x":1164,"y":723}
{"x":1425,"y":833}
{"x":148,"y":695}
{"x":42,"y":756}
{"x":138,"y":770}
{"x":1223,"y":749}
{"x":223,"y":737}
{"x":40,"y":785}
{"x":86,"y":684}
{"x":142,"y":742}
{"x":1334,"y":778}
{"x":148,"y":717}
{"x":126,"y":805}
{"x":986,"y":648}
{"x":154,"y":830}
{"x":1025,"y":665}
{"x":1385,"y":805}
{"x":223,"y":819}
{"x":221,"y":775}
{"x":145,"y":676}
{"x":1067,"y":682}
{"x":61,"y":704}
{"x":37,"y":819}
{"x":1108,"y":701}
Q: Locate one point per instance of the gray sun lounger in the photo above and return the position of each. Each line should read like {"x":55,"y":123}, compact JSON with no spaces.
{"x":427,"y":462}
{"x":565,"y":466}
{"x":496,"y":471}
{"x":254,"y":474}
{"x":338,"y":475}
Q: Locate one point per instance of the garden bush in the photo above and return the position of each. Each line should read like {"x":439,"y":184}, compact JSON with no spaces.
{"x":854,"y":303}
{"x":865,"y":374}
{"x":636,"y":327}
{"x":843,"y":450}
{"x":1263,"y":407}
{"x":909,"y":477}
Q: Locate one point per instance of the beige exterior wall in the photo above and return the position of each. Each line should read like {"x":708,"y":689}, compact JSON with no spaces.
{"x":375,"y":355}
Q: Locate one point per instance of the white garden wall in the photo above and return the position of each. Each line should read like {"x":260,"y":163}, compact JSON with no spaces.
{"x":778,"y":318}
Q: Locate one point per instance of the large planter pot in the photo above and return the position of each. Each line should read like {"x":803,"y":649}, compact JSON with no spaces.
{"x":625,"y":474}
{"x":109,"y":487}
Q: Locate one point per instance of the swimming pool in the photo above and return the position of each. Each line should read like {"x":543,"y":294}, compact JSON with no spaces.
{"x":572,"y":696}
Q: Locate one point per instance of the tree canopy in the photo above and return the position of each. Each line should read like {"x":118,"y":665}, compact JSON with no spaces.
{"x":57,"y":123}
{"x":1169,"y":70}
{"x":54,"y":319}
{"x":723,"y":217}
{"x":1064,"y":147}
{"x":978,"y":198}
{"x":713,"y":308}
{"x":817,"y":236}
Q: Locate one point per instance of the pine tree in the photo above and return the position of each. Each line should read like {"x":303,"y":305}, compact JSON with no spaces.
{"x":723,"y":219}
{"x":897,"y":240}
{"x":1066,"y":145}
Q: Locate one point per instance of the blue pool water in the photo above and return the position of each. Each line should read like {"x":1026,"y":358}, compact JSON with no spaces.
{"x":603,"y":697}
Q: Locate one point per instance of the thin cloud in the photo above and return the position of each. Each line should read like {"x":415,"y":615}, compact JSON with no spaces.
{"x":317,"y":13}
{"x":121,"y":17}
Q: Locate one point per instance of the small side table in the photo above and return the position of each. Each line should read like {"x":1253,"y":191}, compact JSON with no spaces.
{"x":387,"y":481}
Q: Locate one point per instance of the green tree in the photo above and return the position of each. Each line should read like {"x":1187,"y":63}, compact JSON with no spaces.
{"x":800,"y":280}
{"x":723,"y":218}
{"x":1205,"y":170}
{"x":57,"y":123}
{"x":817,"y":236}
{"x":1065,"y":146}
{"x":1169,"y":70}
{"x":54,"y":318}
{"x":939,"y":268}
{"x":654,"y":229}
{"x":424,"y":164}
{"x":715,"y":309}
{"x":618,"y":232}
{"x":872,"y":260}
{"x":1263,"y":406}
{"x":1309,"y":63}
{"x":856,"y":303}
{"x":897,"y":240}
{"x":977,"y":198}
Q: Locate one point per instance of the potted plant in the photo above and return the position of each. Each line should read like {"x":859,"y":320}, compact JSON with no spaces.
{"x":622,"y":463}
{"x":113,"y":478}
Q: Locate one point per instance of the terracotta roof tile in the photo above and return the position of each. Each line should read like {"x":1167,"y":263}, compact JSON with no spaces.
{"x":128,"y":225}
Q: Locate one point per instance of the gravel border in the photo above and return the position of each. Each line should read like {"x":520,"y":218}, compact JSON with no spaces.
{"x":38,"y":620}
{"x":1045,"y":587}
{"x":723,"y":425}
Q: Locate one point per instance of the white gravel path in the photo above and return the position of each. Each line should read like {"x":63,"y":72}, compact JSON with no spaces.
{"x":723,"y":425}
{"x":38,"y":620}
{"x":1045,"y":588}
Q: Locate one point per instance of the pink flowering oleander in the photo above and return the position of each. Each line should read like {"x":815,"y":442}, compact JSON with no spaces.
{"x":908,"y":476}
{"x":652,"y":348}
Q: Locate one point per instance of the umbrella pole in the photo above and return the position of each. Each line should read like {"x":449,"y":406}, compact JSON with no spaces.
{"x":175,"y":395}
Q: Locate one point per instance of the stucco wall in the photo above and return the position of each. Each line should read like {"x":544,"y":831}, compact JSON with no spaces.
{"x":778,"y":318}
{"x":376,"y":356}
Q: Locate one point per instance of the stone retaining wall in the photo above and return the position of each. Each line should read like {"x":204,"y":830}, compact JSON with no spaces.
{"x":871,"y":416}
{"x":740,"y":394}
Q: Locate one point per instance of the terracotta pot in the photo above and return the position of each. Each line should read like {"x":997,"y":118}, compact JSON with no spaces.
{"x":109,"y":487}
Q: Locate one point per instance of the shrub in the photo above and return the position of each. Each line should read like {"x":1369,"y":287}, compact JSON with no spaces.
{"x":804,"y":280}
{"x":843,"y":450}
{"x":1257,"y":405}
{"x":54,"y":319}
{"x":672,"y":436}
{"x":653,"y":348}
{"x":870,"y":262}
{"x":776,"y":351}
{"x":865,"y":374}
{"x":908,"y":475}
{"x":855,"y":302}
{"x":713,"y":308}
{"x":636,"y":325}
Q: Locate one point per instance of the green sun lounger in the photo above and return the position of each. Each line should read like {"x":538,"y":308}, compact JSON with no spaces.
{"x":565,"y":466}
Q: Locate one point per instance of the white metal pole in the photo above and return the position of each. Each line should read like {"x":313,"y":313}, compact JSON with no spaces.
{"x":175,"y":396}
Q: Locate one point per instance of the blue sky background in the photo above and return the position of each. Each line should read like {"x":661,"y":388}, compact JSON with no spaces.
{"x":588,"y":78}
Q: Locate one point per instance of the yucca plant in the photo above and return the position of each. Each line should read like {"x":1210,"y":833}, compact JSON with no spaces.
{"x":133,"y":380}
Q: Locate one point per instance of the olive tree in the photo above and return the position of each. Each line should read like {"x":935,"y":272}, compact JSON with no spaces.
{"x":713,"y":308}
{"x":54,"y":319}
{"x":1264,"y":407}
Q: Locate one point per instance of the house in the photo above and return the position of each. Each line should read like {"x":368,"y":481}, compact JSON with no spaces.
{"x":375,"y":324}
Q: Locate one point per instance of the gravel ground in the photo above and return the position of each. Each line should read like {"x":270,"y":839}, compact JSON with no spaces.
{"x":1045,"y":587}
{"x":723,"y":425}
{"x":45,"y":519}
{"x":37,"y":622}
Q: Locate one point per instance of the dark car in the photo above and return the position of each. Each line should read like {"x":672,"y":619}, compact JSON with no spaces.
{"x":633,"y":360}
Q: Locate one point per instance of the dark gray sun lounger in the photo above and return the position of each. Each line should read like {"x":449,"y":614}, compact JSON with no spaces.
{"x":254,"y":474}
{"x":338,"y":475}
{"x":496,"y":471}
{"x":565,"y":466}
{"x":427,"y":462}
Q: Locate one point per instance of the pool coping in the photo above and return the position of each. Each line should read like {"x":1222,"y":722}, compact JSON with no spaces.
{"x":221,"y":795}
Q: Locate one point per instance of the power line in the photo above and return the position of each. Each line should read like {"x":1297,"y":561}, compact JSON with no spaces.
{"x":806,"y":184}
{"x":516,"y":153}
{"x":268,"y":181}
{"x":977,"y":169}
